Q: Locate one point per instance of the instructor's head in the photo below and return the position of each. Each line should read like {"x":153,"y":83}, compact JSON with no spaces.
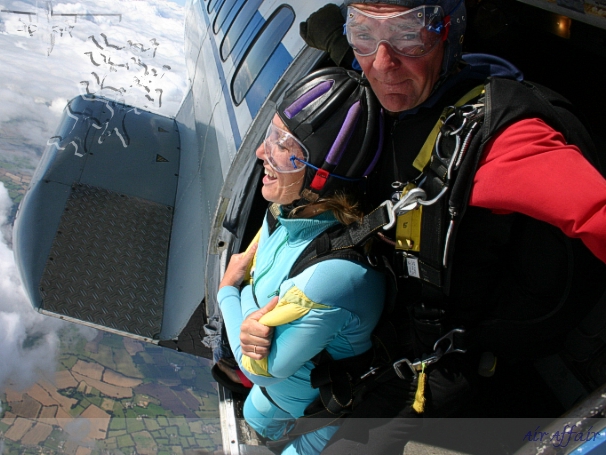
{"x":405,"y":46}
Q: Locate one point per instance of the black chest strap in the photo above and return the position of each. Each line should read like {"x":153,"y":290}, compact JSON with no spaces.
{"x":342,"y":242}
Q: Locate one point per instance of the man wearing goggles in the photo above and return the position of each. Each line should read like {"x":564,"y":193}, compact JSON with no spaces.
{"x":412,"y":33}
{"x":400,"y":50}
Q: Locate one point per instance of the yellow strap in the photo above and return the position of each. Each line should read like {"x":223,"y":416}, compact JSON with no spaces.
{"x":419,"y":403}
{"x":246,"y":279}
{"x":258,"y":367}
{"x":292,"y":306}
{"x":425,"y":154}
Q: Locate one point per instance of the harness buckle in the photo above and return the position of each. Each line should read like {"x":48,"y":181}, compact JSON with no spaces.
{"x":412,"y":366}
{"x":409,"y":201}
{"x":450,"y":336}
{"x":392,"y":219}
{"x":438,"y":353}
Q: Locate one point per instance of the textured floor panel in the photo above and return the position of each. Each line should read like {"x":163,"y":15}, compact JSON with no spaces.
{"x":107,"y":264}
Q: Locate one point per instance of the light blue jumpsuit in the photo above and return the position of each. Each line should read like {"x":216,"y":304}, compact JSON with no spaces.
{"x":333,"y":305}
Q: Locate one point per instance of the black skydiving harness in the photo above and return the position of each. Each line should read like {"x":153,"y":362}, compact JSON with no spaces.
{"x":422,"y":204}
{"x":426,"y":218}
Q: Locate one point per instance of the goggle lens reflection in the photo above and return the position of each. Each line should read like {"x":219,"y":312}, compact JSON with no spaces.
{"x":412,"y":33}
{"x":283,"y":151}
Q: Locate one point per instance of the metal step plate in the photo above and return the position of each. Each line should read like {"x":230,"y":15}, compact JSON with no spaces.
{"x":107,"y":264}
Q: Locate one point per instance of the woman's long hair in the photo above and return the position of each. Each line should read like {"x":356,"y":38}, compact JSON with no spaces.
{"x":344,"y":206}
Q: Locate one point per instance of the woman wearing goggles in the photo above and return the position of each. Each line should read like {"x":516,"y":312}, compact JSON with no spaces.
{"x":324,"y":140}
{"x":283,"y":151}
{"x":283,"y":158}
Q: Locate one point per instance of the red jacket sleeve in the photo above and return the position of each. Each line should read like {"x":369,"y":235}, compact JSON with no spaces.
{"x":528,"y":168}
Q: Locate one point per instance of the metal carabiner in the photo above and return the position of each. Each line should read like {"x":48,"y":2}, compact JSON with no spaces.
{"x":415,"y":366}
{"x":457,"y":144}
{"x":396,"y":367}
{"x":409,"y":201}
{"x":469,"y":110}
{"x":392,"y":219}
{"x":463,"y":123}
{"x":450,"y":337}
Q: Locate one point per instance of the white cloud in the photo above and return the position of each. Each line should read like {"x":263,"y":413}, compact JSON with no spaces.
{"x":28,"y":340}
{"x":57,"y":105}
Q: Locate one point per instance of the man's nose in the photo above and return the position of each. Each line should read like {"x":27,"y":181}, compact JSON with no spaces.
{"x":385,"y":58}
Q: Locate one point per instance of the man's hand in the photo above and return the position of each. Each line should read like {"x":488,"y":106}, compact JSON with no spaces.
{"x":237,"y":267}
{"x":324,"y":30}
{"x":255,"y":338}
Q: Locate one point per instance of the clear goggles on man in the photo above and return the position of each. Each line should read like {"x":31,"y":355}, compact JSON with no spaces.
{"x":412,"y":33}
{"x":283,"y":151}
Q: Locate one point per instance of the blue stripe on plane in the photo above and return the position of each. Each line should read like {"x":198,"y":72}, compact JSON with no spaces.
{"x":246,"y":38}
{"x":225,"y":87}
{"x":227,"y":17}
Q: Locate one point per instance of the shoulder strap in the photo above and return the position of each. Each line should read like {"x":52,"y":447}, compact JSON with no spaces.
{"x":341,"y":242}
{"x":449,"y":147}
{"x":310,"y":255}
{"x":425,"y":154}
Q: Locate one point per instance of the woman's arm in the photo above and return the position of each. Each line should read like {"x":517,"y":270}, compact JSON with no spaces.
{"x":333,"y":299}
{"x":234,"y":304}
{"x":230,"y":300}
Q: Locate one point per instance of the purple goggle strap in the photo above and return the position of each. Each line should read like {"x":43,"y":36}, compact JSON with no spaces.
{"x":338,"y":147}
{"x":379,"y":148}
{"x":375,"y":158}
{"x":304,"y":100}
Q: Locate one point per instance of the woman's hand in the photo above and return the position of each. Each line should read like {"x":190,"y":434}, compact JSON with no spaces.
{"x":237,"y":267}
{"x":255,"y":338}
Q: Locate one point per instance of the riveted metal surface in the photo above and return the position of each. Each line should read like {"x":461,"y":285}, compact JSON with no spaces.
{"x":107,"y":264}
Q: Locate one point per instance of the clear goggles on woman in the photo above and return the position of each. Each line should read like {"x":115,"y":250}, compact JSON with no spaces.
{"x":283,"y":151}
{"x":412,"y":33}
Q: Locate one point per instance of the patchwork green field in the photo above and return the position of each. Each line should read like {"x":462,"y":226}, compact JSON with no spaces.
{"x":114,"y":394}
